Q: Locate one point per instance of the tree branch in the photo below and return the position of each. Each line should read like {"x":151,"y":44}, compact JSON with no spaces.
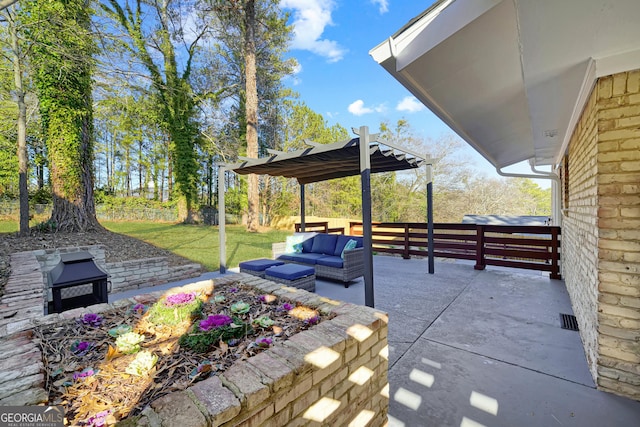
{"x":6,"y":3}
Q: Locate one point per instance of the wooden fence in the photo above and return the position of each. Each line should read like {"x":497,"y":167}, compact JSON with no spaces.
{"x":527,"y":247}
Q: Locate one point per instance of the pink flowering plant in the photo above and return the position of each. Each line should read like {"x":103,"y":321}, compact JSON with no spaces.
{"x":175,"y":308}
{"x":181,"y":298}
{"x":91,"y":319}
{"x":215,"y":321}
{"x":215,"y":328}
{"x":80,"y":348}
{"x":85,"y":373}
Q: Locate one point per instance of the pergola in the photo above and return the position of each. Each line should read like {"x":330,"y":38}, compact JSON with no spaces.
{"x":362,"y":156}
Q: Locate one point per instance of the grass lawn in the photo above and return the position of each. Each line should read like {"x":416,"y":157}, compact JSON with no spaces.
{"x":196,"y":242}
{"x":201,"y":243}
{"x":8,"y":226}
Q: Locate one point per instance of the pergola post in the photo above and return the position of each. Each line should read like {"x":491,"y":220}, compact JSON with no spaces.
{"x":365,"y":180}
{"x":430,"y":245}
{"x":221,"y":220}
{"x":302,"y":208}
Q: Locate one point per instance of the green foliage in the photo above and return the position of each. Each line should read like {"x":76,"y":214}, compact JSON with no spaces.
{"x":201,"y":341}
{"x":176,"y":100}
{"x":41,"y":196}
{"x":110,"y":201}
{"x":8,"y":168}
{"x":160,"y":314}
{"x":236,"y":198}
{"x":62,"y":49}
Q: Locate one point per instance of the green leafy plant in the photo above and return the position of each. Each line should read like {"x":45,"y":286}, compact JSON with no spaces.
{"x":119,"y":330}
{"x":200,"y":340}
{"x":142,"y":364}
{"x":174,"y":309}
{"x":129,"y":343}
{"x":240,"y":307}
{"x":264,"y":321}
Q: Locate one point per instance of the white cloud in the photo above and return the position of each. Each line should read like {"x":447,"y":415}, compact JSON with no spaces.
{"x":410,"y":104}
{"x":310,"y":17}
{"x":357,"y":108}
{"x":383,"y":6}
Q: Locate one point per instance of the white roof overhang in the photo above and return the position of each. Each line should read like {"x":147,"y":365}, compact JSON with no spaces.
{"x":511,"y":77}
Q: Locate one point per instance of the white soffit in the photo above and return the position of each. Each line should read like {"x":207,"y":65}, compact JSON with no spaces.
{"x":511,"y":77}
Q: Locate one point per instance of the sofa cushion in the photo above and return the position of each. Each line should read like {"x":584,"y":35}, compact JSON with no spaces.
{"x":330,"y":261}
{"x":287,"y":257}
{"x":351,"y":244}
{"x":289,"y":271}
{"x":307,"y":240}
{"x":342,"y":240}
{"x":259,"y":264}
{"x":324,"y":244}
{"x":304,"y":258}
{"x":293,"y":244}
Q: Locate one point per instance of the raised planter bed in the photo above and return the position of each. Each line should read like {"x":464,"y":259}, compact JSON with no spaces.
{"x":335,"y":372}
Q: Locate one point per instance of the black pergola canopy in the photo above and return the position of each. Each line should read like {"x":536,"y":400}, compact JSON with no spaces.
{"x":322,"y":162}
{"x":362,"y":156}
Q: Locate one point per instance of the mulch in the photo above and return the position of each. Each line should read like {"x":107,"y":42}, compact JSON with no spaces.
{"x":125,"y":395}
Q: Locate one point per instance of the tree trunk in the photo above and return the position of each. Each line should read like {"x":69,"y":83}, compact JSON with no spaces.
{"x":63,"y":62}
{"x":252,"y":112}
{"x":169,"y":171}
{"x":22,"y":130}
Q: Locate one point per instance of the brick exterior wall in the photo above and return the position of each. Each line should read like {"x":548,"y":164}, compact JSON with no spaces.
{"x":601,"y":236}
{"x":580,"y":231}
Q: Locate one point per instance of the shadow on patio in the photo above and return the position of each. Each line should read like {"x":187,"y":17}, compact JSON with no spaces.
{"x":471,"y":348}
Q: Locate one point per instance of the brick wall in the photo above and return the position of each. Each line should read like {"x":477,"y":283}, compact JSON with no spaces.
{"x":601,"y":236}
{"x":619,"y":233}
{"x":580,"y":232}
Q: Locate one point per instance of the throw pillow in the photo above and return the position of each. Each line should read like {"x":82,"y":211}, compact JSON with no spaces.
{"x":291,"y":242}
{"x":351,"y":244}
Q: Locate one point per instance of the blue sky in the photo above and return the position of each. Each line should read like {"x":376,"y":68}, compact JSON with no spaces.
{"x":339,"y":79}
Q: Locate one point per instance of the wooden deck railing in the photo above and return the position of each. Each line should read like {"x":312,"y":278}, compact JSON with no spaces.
{"x":321,"y":227}
{"x":528,"y":247}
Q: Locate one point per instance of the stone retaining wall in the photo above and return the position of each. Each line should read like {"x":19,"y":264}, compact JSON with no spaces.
{"x":123,"y":275}
{"x":333,"y":373}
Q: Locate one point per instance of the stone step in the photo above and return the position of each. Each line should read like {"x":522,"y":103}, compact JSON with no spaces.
{"x":24,"y":293}
{"x":32,"y":356}
{"x":32,"y":396}
{"x":21,"y":384}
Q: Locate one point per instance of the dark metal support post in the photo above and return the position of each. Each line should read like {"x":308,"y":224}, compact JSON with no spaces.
{"x":222,"y":220}
{"x":365,"y":179}
{"x":430,"y":245}
{"x":302,"y":208}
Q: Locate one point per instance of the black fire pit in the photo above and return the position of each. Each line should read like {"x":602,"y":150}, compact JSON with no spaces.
{"x":77,"y":282}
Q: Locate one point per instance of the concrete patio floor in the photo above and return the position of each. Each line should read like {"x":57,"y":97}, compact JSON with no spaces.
{"x":481,"y":348}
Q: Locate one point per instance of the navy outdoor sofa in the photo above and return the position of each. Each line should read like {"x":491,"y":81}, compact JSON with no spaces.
{"x":325,"y":252}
